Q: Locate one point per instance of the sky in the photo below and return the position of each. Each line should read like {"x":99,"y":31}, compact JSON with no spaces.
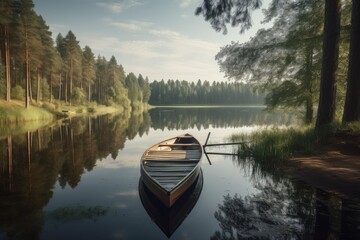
{"x":161,"y":39}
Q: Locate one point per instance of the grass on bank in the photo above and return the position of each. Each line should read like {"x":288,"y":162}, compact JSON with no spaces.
{"x":276,"y":144}
{"x":15,"y":112}
{"x":63,"y":110}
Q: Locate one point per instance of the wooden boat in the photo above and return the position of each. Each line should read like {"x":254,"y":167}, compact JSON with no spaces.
{"x":170,"y":167}
{"x":169,"y":219}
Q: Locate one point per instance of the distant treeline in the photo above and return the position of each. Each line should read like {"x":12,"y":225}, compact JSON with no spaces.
{"x":33,"y":67}
{"x":204,"y":93}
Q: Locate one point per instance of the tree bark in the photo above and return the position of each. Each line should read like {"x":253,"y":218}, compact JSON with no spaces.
{"x":7,"y":63}
{"x":51,"y":88}
{"x":326,"y":109}
{"x":27,"y":71}
{"x":71,"y":80}
{"x":352,"y":102}
{"x":66,"y":87}
{"x":308,"y":85}
{"x":38,"y":95}
{"x":60,"y":89}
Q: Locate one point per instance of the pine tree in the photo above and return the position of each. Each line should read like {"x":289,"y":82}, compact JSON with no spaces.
{"x":88,"y":66}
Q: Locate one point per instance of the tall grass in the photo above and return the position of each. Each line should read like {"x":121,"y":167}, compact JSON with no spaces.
{"x":279,"y":144}
{"x":276,"y":144}
{"x":15,"y":113}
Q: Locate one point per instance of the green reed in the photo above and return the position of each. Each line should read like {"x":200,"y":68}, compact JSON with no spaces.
{"x":278,"y":144}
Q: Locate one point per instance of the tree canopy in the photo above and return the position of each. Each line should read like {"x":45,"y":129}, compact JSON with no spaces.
{"x":288,"y":59}
{"x":30,"y":60}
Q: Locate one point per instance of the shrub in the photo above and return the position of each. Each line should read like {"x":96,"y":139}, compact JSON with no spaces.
{"x":78,"y":96}
{"x":3,"y":89}
{"x":18,"y":93}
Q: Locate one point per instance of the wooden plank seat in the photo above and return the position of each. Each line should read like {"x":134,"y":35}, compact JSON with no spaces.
{"x":177,"y":144}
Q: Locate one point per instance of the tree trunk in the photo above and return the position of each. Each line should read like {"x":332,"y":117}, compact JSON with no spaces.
{"x":27,"y":71}
{"x":10,"y":162}
{"x":38,"y":94}
{"x":309,"y":111}
{"x":29,"y":144}
{"x":89,"y":92}
{"x":308,"y":84}
{"x":51,"y":88}
{"x":322,"y":221}
{"x":66,"y":88}
{"x":60,"y":76}
{"x":326,"y":109}
{"x":352,"y":102}
{"x":7,"y":63}
{"x":71,"y":79}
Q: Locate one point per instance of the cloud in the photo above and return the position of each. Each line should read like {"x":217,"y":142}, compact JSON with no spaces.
{"x":164,"y":33}
{"x":186,"y":3}
{"x":130,"y":25}
{"x":56,"y":28}
{"x":166,"y":54}
{"x":132,"y":193}
{"x":119,"y":6}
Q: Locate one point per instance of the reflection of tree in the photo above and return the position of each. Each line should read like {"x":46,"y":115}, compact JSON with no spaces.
{"x":270,"y":214}
{"x":284,"y":209}
{"x":31,"y":163}
{"x":77,"y":212}
{"x":185,"y":118}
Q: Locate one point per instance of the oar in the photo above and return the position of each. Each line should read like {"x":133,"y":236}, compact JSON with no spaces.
{"x":207,"y":157}
{"x":205,"y":146}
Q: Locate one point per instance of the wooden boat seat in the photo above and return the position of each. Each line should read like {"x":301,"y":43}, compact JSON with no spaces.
{"x":177,"y":144}
{"x":180,"y":160}
{"x":175,"y":155}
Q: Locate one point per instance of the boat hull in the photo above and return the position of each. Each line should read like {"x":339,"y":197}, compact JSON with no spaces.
{"x":170,"y":167}
{"x":169,"y":198}
{"x":169,"y":219}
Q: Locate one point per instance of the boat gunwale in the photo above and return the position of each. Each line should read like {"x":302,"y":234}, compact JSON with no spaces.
{"x":183,"y":180}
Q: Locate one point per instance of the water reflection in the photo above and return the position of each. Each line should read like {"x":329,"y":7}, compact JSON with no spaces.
{"x":218,"y":117}
{"x":285,"y":209}
{"x":31,"y":163}
{"x":60,"y":174}
{"x":169,"y":219}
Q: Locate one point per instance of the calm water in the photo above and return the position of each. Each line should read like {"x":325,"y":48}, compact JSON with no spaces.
{"x":80,"y":180}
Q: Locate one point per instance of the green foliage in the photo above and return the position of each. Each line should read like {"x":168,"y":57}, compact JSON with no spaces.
{"x":78,"y":96}
{"x":279,"y":144}
{"x":61,"y":68}
{"x":134,"y":91}
{"x":276,"y":144}
{"x":14,"y":113}
{"x":2,"y":88}
{"x":353,"y":127}
{"x":45,"y":90}
{"x":18,"y":93}
{"x":218,"y":93}
{"x":285,"y":59}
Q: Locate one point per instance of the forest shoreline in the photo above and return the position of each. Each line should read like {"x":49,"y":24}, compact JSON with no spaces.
{"x":334,"y":168}
{"x":14,"y":112}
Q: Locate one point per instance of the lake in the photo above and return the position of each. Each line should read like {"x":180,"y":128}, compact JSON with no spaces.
{"x":79,"y":179}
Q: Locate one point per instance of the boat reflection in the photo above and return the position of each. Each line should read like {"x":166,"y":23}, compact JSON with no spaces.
{"x":169,"y":219}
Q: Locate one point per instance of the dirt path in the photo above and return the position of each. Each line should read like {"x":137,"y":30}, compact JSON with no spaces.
{"x":336,"y":168}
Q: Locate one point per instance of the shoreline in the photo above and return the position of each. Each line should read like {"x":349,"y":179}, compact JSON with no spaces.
{"x":335,"y":169}
{"x":14,"y":113}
